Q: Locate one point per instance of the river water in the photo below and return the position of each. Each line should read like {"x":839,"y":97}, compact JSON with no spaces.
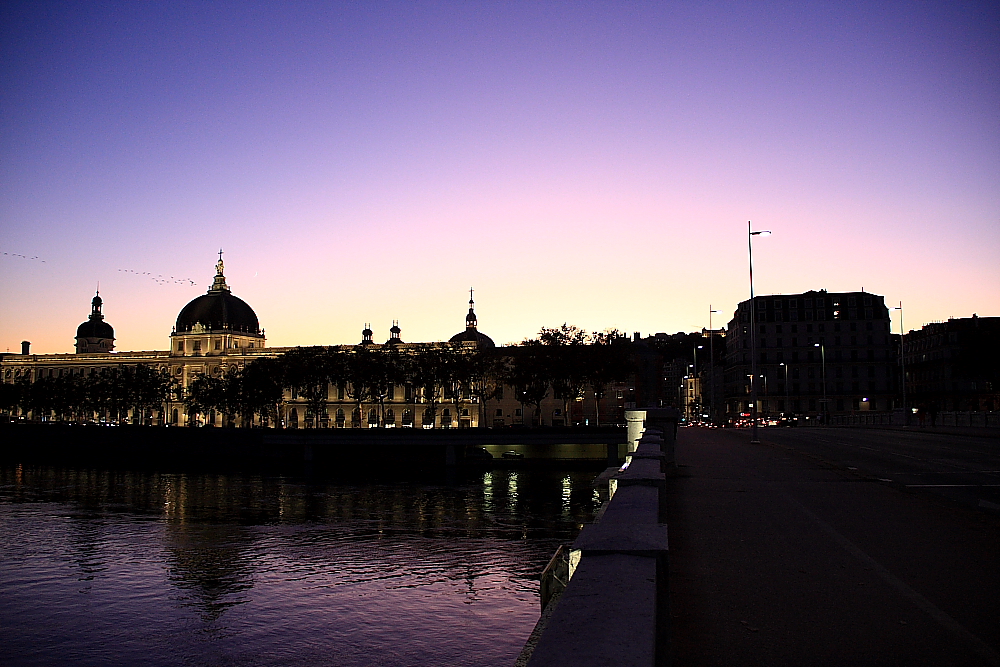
{"x":105,"y":567}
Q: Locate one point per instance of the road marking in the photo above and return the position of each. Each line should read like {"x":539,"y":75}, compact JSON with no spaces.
{"x":928,"y":607}
{"x":961,"y":485}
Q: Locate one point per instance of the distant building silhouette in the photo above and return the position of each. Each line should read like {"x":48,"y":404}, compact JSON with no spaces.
{"x":852,"y":331}
{"x":954,"y":365}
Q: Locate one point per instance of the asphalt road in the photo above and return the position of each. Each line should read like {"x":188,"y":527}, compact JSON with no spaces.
{"x":782,"y":554}
{"x":963,"y":468}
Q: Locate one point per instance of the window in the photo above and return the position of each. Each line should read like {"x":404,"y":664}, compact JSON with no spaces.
{"x":499,"y":412}
{"x":852,"y":301}
{"x":197,"y":346}
{"x":218,"y":344}
{"x":180,"y":346}
{"x":808,"y":303}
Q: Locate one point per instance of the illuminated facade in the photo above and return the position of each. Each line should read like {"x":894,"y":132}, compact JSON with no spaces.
{"x":218,"y":331}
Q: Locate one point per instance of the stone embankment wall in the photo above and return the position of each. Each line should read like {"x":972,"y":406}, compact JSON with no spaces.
{"x":614,"y":609}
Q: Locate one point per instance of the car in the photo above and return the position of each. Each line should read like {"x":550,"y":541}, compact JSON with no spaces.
{"x":513,"y":455}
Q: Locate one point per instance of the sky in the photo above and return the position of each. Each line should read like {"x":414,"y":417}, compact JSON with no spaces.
{"x":594,"y":163}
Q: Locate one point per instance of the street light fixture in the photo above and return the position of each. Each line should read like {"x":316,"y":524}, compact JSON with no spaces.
{"x":753,"y":337}
{"x":787,"y":403}
{"x":711,"y":366}
{"x":822,"y":354}
{"x":902,"y":363}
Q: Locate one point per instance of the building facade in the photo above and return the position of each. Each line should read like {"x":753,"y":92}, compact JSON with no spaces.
{"x":954,"y":365}
{"x":817,"y":352}
{"x":218,"y":331}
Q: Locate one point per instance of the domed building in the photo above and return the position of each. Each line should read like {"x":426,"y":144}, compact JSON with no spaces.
{"x":472,"y":333}
{"x":216,"y":322}
{"x":95,"y":335}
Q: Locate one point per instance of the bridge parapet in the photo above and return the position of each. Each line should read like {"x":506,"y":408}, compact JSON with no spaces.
{"x":614,"y":611}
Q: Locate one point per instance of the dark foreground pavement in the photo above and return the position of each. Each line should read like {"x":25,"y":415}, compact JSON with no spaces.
{"x":780,"y":559}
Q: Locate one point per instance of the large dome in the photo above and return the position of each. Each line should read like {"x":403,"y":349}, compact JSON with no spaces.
{"x":218,"y":310}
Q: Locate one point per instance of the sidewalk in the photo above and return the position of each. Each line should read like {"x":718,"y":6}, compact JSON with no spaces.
{"x":777,"y":561}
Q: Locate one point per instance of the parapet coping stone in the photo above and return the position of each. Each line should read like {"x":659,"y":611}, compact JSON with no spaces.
{"x":606,"y":616}
{"x":633,"y":539}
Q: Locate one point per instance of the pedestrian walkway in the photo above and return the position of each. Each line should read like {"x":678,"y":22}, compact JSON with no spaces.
{"x":776,"y":560}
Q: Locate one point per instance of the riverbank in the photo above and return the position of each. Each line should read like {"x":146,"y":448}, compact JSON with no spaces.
{"x":306,"y":449}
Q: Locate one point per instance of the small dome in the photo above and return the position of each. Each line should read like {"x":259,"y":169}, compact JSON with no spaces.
{"x":95,"y":329}
{"x":473,"y":336}
{"x":471,"y":333}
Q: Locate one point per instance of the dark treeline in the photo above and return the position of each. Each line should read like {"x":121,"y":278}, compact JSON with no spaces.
{"x":566,"y":360}
{"x":112,"y":393}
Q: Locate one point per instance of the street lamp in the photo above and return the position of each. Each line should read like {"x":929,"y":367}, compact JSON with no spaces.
{"x":711,"y":366}
{"x":822,"y":354}
{"x":753,"y":338}
{"x":902,"y":363}
{"x":787,"y":403}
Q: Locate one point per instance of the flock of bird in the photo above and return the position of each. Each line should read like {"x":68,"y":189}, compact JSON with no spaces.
{"x":159,"y":278}
{"x":14,"y":254}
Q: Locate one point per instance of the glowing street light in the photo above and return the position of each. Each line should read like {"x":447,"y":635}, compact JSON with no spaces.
{"x":753,"y":337}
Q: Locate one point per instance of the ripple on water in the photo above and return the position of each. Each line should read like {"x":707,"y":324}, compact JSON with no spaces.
{"x":125,"y":568}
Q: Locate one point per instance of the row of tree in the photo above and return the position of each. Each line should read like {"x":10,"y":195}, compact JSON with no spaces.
{"x":113,"y":393}
{"x":566,"y":360}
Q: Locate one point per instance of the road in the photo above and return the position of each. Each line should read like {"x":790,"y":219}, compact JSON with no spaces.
{"x":963,"y":468}
{"x":792,"y":552}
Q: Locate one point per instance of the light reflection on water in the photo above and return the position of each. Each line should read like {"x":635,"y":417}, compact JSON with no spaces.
{"x":120,"y":568}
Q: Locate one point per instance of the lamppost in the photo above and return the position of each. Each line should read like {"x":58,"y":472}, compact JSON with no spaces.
{"x":695,"y":384}
{"x":902,"y":363}
{"x":753,"y":338}
{"x":786,"y":410}
{"x":822,"y":354}
{"x":711,"y":366}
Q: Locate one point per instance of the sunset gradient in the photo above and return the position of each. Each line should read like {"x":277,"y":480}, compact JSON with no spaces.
{"x":591,"y":163}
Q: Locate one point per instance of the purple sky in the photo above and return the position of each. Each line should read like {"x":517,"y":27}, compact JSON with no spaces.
{"x":590,"y":163}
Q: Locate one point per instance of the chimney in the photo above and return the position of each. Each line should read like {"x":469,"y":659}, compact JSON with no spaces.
{"x":24,"y":347}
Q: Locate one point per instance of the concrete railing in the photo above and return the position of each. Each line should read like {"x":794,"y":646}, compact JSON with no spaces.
{"x":613,"y":610}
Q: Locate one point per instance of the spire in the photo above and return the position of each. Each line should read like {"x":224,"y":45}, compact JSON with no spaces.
{"x":219,"y":285}
{"x":470,"y":319}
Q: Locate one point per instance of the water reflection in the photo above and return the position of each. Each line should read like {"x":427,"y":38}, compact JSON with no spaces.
{"x":272,"y":570}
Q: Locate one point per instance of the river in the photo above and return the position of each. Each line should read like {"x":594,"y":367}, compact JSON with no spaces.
{"x":101,"y":567}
